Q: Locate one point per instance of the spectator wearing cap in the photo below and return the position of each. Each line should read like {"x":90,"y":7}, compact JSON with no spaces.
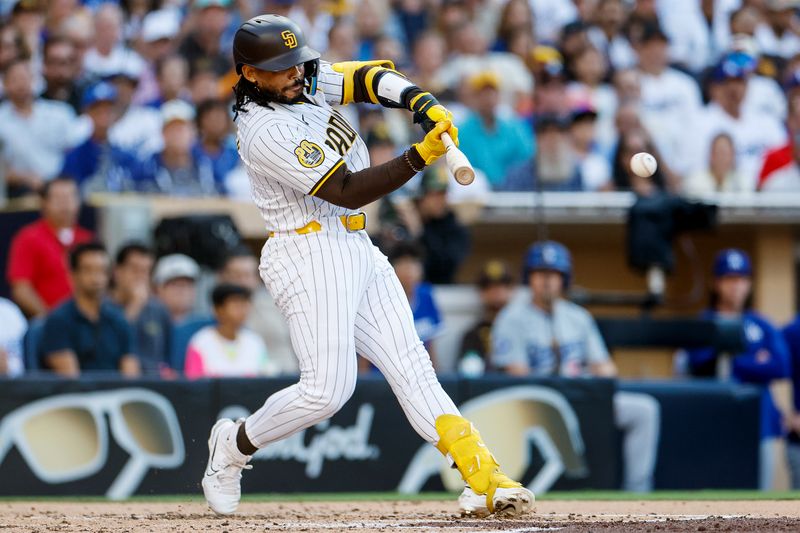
{"x":780,"y":170}
{"x":138,"y":129}
{"x":174,"y":170}
{"x":406,"y":258}
{"x":545,"y":334}
{"x":202,"y":47}
{"x":554,"y":167}
{"x":88,"y":333}
{"x":37,"y":260}
{"x":12,"y":335}
{"x":670,"y":100}
{"x":227,"y":348}
{"x":493,"y":143}
{"x":495,"y":288}
{"x":764,"y":359}
{"x":216,"y":142}
{"x":159,"y":33}
{"x":445,"y":241}
{"x":593,"y":167}
{"x":97,"y":165}
{"x":550,"y":96}
{"x":132,"y":292}
{"x":61,"y":69}
{"x":34,"y":133}
{"x":776,"y":35}
{"x":175,"y":280}
{"x":753,"y":133}
{"x":172,"y":77}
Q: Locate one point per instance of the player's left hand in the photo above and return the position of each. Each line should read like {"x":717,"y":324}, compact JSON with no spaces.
{"x":432,"y":148}
{"x":439,"y":113}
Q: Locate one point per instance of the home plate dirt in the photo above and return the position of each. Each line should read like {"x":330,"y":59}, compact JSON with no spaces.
{"x":399,"y":517}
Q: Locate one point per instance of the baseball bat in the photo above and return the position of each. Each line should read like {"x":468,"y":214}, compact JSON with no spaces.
{"x":457,"y":162}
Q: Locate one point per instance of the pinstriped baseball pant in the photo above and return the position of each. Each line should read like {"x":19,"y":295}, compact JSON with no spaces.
{"x":340,"y":296}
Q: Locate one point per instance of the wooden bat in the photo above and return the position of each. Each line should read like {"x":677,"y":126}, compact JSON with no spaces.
{"x":457,"y":162}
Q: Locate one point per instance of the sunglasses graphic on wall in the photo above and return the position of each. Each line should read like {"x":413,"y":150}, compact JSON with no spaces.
{"x":65,"y":438}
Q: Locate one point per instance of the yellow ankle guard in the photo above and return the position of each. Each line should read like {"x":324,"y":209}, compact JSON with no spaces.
{"x":459,"y":439}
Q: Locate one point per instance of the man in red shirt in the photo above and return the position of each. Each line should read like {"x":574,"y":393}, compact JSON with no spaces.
{"x":37,"y":262}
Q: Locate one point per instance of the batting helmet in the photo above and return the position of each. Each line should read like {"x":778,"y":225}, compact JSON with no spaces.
{"x":732,"y":262}
{"x":548,"y":255}
{"x":274,"y":43}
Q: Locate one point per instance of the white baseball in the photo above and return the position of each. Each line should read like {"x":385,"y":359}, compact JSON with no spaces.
{"x":643,"y":164}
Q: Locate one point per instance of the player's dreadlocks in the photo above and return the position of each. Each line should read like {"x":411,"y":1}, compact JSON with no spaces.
{"x":246,"y":91}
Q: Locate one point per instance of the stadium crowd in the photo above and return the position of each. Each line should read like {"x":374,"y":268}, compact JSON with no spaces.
{"x":134,"y":96}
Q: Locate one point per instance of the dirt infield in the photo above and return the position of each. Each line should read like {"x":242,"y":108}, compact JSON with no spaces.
{"x":562,"y":516}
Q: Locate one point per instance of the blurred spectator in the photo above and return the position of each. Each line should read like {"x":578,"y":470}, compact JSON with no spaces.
{"x":721,"y":174}
{"x":342,"y":42}
{"x":37,"y":258}
{"x":766,"y":357}
{"x":629,"y":145}
{"x":555,"y":165}
{"x":780,"y":170}
{"x":550,"y":96}
{"x":175,"y":280}
{"x":493,"y":143}
{"x":548,"y":335}
{"x":109,"y":54}
{"x":203,"y":46}
{"x":97,"y":165}
{"x":159,"y":39}
{"x":753,"y":133}
{"x":607,"y":34}
{"x":227,"y":348}
{"x":138,"y":129}
{"x":550,"y":16}
{"x":791,"y":334}
{"x":495,"y":286}
{"x":12,"y":335}
{"x":61,"y":70}
{"x":12,"y":48}
{"x":135,"y":12}
{"x":34,"y":133}
{"x":428,"y":55}
{"x":590,"y":89}
{"x":315,"y":21}
{"x":172,"y":75}
{"x":204,"y":85}
{"x":670,"y":100}
{"x":691,"y":46}
{"x":132,"y":292}
{"x":406,"y":258}
{"x":445,"y":241}
{"x":216,"y":142}
{"x":516,"y":17}
{"x":265,"y":319}
{"x":593,"y":167}
{"x":777,"y":35}
{"x":87,"y":333}
{"x":764,"y":94}
{"x":175,"y":171}
{"x":28,"y":17}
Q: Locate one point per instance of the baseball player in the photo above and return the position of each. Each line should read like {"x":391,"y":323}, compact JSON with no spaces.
{"x":309,"y":173}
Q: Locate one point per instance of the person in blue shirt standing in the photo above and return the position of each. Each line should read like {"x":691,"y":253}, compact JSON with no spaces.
{"x":216,"y":142}
{"x":98,"y":165}
{"x":791,"y":333}
{"x":765,"y":358}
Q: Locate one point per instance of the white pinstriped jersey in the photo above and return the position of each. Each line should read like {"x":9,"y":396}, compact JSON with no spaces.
{"x":289,"y":150}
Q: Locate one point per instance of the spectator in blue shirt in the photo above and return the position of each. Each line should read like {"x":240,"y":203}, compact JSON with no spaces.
{"x":97,"y":164}
{"x":216,"y":142}
{"x":493,"y":143}
{"x":88,"y":333}
{"x":765,"y":359}
{"x":175,"y":171}
{"x":791,"y":334}
{"x":406,"y":258}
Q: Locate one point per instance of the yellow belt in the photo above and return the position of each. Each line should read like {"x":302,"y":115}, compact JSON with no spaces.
{"x":352,"y":222}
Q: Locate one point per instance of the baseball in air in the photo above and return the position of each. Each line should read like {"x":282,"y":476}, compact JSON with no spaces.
{"x":643,"y":164}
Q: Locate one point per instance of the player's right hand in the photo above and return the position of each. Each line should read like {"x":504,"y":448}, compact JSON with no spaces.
{"x":432,"y":148}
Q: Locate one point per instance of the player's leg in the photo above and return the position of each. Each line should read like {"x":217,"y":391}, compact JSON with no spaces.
{"x":639,"y":417}
{"x":317,"y":290}
{"x":386,"y":336}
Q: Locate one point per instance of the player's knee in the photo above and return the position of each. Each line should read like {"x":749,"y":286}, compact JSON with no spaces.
{"x":329,"y":400}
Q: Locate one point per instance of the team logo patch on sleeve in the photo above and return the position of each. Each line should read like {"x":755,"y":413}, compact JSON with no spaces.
{"x":309,"y":154}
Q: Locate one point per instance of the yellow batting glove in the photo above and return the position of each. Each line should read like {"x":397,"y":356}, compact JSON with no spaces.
{"x":432,"y":148}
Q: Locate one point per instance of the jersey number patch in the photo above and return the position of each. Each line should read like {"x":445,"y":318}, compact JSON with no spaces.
{"x":341,"y":135}
{"x":309,"y":154}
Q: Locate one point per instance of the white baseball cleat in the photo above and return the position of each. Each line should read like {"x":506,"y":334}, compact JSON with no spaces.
{"x":508,"y":502}
{"x":221,"y":482}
